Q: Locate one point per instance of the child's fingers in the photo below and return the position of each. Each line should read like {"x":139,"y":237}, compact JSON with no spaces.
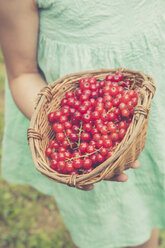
{"x":86,"y":187}
{"x":135,"y":165}
{"x":121,"y":178}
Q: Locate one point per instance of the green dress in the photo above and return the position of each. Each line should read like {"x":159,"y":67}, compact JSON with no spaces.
{"x":78,"y":35}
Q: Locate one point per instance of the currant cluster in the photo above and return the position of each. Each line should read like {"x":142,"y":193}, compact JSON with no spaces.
{"x":91,"y":123}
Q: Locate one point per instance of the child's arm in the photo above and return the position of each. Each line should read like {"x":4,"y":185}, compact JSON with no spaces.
{"x":18,"y":38}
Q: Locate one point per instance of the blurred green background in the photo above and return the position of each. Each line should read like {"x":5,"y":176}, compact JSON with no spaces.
{"x":29,"y":219}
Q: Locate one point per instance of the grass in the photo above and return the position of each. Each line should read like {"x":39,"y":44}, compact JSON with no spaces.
{"x":29,"y":219}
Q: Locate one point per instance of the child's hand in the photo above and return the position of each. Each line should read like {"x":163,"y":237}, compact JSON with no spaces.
{"x":121,"y":178}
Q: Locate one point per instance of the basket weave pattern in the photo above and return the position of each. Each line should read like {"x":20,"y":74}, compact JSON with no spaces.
{"x":129,"y":149}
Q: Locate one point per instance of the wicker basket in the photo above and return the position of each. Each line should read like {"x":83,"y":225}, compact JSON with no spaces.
{"x":129,"y":149}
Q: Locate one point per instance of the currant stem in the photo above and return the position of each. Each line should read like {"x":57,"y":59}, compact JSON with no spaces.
{"x":68,"y":139}
{"x":113,"y":148}
{"x":110,"y":110}
{"x":83,"y":156}
{"x":79,"y":134}
{"x":133,"y":84}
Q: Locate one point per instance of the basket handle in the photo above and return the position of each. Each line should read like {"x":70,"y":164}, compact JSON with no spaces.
{"x":148,"y":83}
{"x":31,"y":133}
{"x":150,"y":86}
{"x":46,"y":91}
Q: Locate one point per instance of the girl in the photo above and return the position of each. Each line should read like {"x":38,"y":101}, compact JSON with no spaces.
{"x":44,"y":40}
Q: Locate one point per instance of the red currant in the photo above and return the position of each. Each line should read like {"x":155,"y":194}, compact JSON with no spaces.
{"x":83,"y":146}
{"x":92,"y":80}
{"x":63,"y":119}
{"x":57,"y":127}
{"x":112,"y":127}
{"x":125,"y":112}
{"x":83,"y":109}
{"x":100,"y":157}
{"x":99,"y":143}
{"x":97,"y":136}
{"x":85,"y":136}
{"x":64,"y":101}
{"x":103,"y":151}
{"x":114,"y":136}
{"x":61,"y":156}
{"x":87,"y":127}
{"x":76,"y":104}
{"x":87,"y":163}
{"x":69,"y":94}
{"x":74,"y":136}
{"x":57,"y":115}
{"x":60,"y":137}
{"x":86,"y":118}
{"x":54,"y":164}
{"x":113,"y":91}
{"x":51,"y":117}
{"x":122,"y":133}
{"x":107,"y":143}
{"x":90,"y":149}
{"x":61,"y":166}
{"x":93,"y":157}
{"x":65,"y":143}
{"x":48,"y":151}
{"x":78,"y":92}
{"x":71,"y":101}
{"x":109,"y":77}
{"x":69,"y":166}
{"x":101,"y":84}
{"x":77,"y":163}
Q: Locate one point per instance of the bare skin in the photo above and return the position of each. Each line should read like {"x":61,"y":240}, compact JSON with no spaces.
{"x":19,"y":23}
{"x":18,"y":37}
{"x":121,"y":178}
{"x":152,"y":242}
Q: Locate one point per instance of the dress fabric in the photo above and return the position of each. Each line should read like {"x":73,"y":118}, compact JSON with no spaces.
{"x":78,"y":35}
